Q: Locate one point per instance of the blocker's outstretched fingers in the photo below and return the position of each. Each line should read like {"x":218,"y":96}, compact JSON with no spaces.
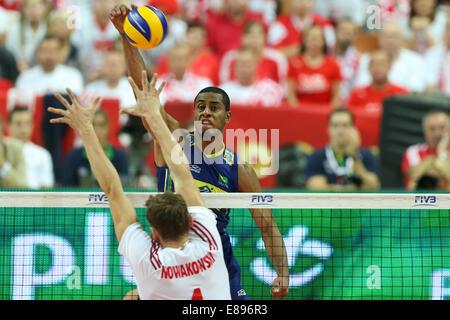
{"x":59,"y":120}
{"x":61,"y":112}
{"x":72,"y":96}
{"x":63,"y":101}
{"x":161,"y":88}
{"x":154,"y":80}
{"x":134,"y":86}
{"x":144,"y":80}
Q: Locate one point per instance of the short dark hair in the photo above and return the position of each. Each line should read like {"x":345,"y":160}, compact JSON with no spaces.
{"x":225,"y":97}
{"x":168,"y":214}
{"x":341,"y":110}
{"x":16,"y":110}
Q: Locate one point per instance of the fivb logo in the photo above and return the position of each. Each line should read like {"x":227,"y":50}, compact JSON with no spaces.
{"x":258,"y":148}
{"x":97,"y":198}
{"x":262,"y":200}
{"x":425,"y":201}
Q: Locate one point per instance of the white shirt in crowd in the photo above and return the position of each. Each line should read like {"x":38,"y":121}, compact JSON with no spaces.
{"x":123,"y":92}
{"x":349,"y":64}
{"x":39,"y":166}
{"x":342,"y":9}
{"x":36,"y":81}
{"x":436,"y":30}
{"x":179,"y":274}
{"x":92,"y":41}
{"x":183,"y":90}
{"x":437,"y":61}
{"x":265,"y":93}
{"x":22,"y":41}
{"x":407,"y":71}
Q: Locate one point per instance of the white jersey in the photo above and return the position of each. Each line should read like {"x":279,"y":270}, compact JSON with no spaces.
{"x":197,"y":271}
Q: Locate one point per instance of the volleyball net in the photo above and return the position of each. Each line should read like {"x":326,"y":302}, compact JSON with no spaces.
{"x":62,"y":245}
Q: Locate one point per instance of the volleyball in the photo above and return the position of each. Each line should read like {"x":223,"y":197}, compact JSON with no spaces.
{"x":145,"y":27}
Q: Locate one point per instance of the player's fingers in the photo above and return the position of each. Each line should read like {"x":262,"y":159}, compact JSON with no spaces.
{"x":123,"y":9}
{"x":144,"y":80}
{"x":161,"y":87}
{"x":154,"y":79}
{"x":131,"y":111}
{"x":95,"y":102}
{"x":72,"y":96}
{"x":134,"y":86}
{"x":58,"y":111}
{"x":63,"y":101}
{"x":59,"y":120}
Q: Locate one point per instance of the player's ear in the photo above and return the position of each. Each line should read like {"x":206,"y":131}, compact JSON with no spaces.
{"x":191,"y":222}
{"x":155,"y":234}
{"x":227,"y":116}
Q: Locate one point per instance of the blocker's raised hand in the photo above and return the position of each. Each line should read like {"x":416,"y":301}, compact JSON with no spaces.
{"x":147,"y":99}
{"x":75,"y":115}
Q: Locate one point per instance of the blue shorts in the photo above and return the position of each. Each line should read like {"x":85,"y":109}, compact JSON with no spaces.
{"x":234,"y":270}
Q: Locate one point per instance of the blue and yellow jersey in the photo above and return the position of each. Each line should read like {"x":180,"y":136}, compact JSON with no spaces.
{"x":212,"y":173}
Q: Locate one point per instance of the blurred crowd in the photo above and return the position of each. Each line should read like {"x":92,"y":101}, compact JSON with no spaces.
{"x":345,"y":55}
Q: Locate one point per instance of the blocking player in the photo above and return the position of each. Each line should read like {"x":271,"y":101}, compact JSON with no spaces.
{"x":183,"y":259}
{"x":211,"y":108}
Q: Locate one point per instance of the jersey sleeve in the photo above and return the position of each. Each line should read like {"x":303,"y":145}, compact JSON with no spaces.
{"x":134,"y":244}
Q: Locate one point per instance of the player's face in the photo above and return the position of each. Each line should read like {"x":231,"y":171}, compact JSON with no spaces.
{"x":210,"y":111}
{"x":435,"y":126}
{"x":21,"y":125}
{"x":339,"y":128}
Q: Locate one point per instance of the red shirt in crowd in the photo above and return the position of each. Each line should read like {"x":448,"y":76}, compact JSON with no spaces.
{"x":272,"y":65}
{"x":314,"y":85}
{"x":371,"y":99}
{"x":206,"y":65}
{"x":225,"y":34}
{"x":287,"y":30}
{"x":415,"y":155}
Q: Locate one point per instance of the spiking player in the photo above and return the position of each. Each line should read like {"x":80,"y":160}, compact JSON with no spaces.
{"x":184,"y":257}
{"x":212,"y":110}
